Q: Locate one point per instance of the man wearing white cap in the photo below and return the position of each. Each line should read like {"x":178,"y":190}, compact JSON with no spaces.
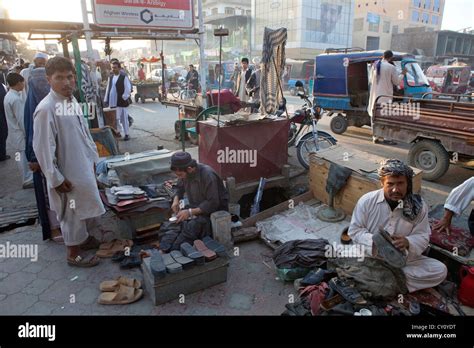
{"x":39,"y":61}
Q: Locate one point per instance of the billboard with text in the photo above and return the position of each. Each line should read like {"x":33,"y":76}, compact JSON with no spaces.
{"x":154,"y":14}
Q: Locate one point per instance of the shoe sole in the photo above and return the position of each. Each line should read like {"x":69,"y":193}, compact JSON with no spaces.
{"x":388,"y":251}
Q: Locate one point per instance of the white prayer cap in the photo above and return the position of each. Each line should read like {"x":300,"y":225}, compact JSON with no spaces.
{"x":41,"y":55}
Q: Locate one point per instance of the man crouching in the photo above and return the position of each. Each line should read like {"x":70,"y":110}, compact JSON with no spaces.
{"x":206,"y":194}
{"x":404,"y":216}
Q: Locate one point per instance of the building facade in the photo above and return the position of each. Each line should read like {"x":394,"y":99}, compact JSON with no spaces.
{"x":375,"y":21}
{"x":436,"y":47}
{"x":234,"y":15}
{"x":313,"y":25}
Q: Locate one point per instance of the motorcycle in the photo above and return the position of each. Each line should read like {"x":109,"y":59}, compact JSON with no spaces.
{"x":303,"y":132}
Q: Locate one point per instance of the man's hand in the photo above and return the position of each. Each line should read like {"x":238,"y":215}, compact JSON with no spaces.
{"x":34,"y":167}
{"x":442,"y":225}
{"x":175,"y":205}
{"x":400,"y":242}
{"x":404,"y":71}
{"x":65,"y":187}
{"x":183,"y":215}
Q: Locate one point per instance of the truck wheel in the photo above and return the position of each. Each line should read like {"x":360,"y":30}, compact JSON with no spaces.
{"x":431,"y":157}
{"x":137,"y":96}
{"x":338,"y":124}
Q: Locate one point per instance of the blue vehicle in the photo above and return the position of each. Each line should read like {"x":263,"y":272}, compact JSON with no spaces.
{"x":341,"y":84}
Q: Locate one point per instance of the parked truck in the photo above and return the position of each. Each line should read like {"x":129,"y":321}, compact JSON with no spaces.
{"x":440,"y":130}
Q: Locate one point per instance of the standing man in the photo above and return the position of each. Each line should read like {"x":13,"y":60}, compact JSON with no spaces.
{"x":118,"y":92}
{"x":243,"y":79}
{"x":14,"y":105}
{"x":404,"y":215}
{"x":141,"y":73}
{"x":382,"y":79}
{"x":234,"y":77}
{"x":458,"y":201}
{"x":3,"y":125}
{"x":206,"y":194}
{"x":67,"y":155}
{"x":38,"y":89}
{"x":192,"y":78}
{"x":39,"y":61}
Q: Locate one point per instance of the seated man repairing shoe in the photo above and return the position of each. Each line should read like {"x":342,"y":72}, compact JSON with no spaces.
{"x":404,"y":215}
{"x":206,"y":194}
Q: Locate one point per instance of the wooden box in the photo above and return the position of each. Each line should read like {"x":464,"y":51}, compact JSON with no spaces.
{"x":363,"y":179}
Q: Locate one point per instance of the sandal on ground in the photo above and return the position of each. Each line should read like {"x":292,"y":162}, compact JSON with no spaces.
{"x":85,"y":262}
{"x":348,"y":292}
{"x":114,"y":285}
{"x":123,"y":295}
{"x":108,"y":249}
{"x":90,"y":244}
{"x":58,"y":240}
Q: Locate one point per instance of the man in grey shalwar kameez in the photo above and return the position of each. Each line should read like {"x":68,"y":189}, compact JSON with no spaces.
{"x":66,"y":154}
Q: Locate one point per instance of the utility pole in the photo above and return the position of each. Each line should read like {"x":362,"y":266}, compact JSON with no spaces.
{"x":202,"y":58}
{"x":87,"y":30}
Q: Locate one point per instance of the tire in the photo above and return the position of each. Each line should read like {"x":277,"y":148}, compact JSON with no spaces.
{"x":338,"y":124}
{"x":431,"y":157}
{"x":142,"y":99}
{"x":302,"y":150}
{"x":137,"y":96}
{"x":153,"y":99}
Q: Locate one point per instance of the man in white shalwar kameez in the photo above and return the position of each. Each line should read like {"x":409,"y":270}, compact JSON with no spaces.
{"x":383,"y":77}
{"x":39,"y":61}
{"x":14,"y":105}
{"x":404,"y":216}
{"x":67,"y":154}
{"x":118,"y":91}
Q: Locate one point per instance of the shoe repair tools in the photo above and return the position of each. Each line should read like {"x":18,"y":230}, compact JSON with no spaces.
{"x":389,"y":252}
{"x":337,"y":178}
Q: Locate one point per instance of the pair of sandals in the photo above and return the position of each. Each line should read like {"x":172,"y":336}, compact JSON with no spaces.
{"x":121,"y":291}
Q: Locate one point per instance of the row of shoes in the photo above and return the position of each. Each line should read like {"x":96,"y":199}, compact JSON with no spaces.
{"x":120,"y":291}
{"x":199,"y":253}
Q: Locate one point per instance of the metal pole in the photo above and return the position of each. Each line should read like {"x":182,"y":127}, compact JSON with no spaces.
{"x":87,"y":30}
{"x":219,"y":82}
{"x":202,"y":68}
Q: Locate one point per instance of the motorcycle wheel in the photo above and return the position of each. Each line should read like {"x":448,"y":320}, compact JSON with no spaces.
{"x":307,"y":145}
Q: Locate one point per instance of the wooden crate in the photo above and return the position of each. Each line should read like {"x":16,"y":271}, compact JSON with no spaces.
{"x":362,"y":180}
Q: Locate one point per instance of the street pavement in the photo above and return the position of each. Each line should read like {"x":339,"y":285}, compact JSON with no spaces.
{"x":49,"y":286}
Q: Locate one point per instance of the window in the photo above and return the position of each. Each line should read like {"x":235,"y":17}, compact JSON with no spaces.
{"x":436,"y":6}
{"x":428,"y":4}
{"x":416,"y":3}
{"x":386,"y":27}
{"x":358,"y":24}
{"x":415,"y":16}
{"x":415,"y":76}
{"x":372,"y":43}
{"x":425,"y":17}
{"x":374,"y":27}
{"x":229,"y":11}
{"x":395,"y":29}
{"x":214,"y":11}
{"x":434,"y":20}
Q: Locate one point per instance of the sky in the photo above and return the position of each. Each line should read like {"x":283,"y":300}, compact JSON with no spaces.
{"x":458,"y":14}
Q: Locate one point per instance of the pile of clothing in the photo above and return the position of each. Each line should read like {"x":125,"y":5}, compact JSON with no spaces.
{"x":125,"y":195}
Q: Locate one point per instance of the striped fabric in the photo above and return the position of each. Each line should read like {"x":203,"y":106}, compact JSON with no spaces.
{"x":273,"y":59}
